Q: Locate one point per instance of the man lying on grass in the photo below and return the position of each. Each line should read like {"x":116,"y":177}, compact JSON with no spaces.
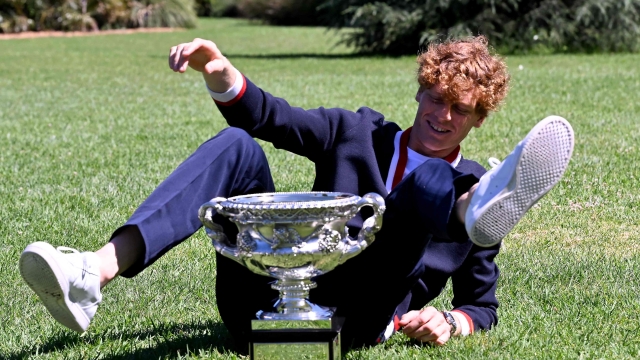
{"x":445,"y":217}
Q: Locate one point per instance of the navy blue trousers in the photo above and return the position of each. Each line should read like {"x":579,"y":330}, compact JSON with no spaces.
{"x":365,"y":290}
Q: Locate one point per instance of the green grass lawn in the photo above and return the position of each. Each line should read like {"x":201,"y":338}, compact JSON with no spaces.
{"x":90,"y":125}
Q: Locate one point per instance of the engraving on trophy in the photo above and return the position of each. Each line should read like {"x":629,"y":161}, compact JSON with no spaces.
{"x":328,"y":240}
{"x":246,"y":243}
{"x":284,"y":235}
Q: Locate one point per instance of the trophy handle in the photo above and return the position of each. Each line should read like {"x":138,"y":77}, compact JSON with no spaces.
{"x":215,"y":231}
{"x":370,"y":226}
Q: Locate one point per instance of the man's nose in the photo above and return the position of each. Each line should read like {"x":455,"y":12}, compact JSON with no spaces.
{"x":444,"y":112}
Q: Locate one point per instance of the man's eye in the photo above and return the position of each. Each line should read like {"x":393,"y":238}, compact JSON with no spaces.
{"x":436,"y":100}
{"x":461,"y":111}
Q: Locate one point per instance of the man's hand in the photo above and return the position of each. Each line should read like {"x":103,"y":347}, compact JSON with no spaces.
{"x":426,"y":325}
{"x":205,"y":57}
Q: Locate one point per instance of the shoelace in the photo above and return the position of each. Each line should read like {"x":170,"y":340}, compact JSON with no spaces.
{"x":85,"y":266}
{"x":493,"y":162}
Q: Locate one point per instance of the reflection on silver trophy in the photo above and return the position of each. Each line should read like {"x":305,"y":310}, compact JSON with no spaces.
{"x":292,"y":237}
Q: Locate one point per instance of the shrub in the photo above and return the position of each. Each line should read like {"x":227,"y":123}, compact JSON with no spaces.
{"x":403,"y":26}
{"x":282,"y":12}
{"x":25,"y":15}
{"x":112,"y":14}
{"x":216,"y":8}
{"x":163,"y":13}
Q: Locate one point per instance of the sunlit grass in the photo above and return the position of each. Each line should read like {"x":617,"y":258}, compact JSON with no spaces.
{"x":89,"y":126}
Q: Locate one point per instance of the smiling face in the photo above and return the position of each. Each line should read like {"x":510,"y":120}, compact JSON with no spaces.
{"x":461,"y":82}
{"x":441,"y":124}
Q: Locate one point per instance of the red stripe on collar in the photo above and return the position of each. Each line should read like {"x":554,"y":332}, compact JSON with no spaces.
{"x":402,"y":159}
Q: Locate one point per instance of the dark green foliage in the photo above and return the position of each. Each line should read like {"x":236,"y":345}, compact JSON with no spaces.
{"x":89,"y":126}
{"x":162,"y":13}
{"x":68,"y":15}
{"x":217,"y":8}
{"x":402,"y":26}
{"x":282,"y":12}
{"x":24,"y":15}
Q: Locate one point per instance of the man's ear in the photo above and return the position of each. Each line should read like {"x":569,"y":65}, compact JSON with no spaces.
{"x":479,"y":122}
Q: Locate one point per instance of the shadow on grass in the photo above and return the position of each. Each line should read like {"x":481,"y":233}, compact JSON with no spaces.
{"x":159,"y":341}
{"x":232,"y":56}
{"x":298,"y":56}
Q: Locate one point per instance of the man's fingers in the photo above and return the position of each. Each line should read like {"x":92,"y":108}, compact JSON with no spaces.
{"x":182,"y":59}
{"x":408,"y":317}
{"x":172,"y":53}
{"x":202,"y":55}
{"x":177,"y":59}
{"x":428,"y":326}
{"x":417,"y":319}
{"x":194,"y":45}
{"x":439,"y":336}
{"x":173,"y":58}
{"x":435,"y":338}
{"x":417,"y":329}
{"x":434,"y":332}
{"x":204,"y":45}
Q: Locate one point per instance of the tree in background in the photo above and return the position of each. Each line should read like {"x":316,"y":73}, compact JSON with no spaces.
{"x":392,"y":27}
{"x":282,"y":12}
{"x":402,"y":26}
{"x":217,"y":8}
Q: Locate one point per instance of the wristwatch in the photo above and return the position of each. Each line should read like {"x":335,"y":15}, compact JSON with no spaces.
{"x":451,"y":321}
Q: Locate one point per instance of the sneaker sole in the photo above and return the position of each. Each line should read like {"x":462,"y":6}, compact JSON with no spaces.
{"x":41,"y":272}
{"x":542,"y":162}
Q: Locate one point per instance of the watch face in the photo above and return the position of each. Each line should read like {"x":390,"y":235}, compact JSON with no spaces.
{"x":451,"y":321}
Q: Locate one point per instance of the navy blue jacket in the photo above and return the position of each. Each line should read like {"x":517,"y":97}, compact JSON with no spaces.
{"x":352,"y":153}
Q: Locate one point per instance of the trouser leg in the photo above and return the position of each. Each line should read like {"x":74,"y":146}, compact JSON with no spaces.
{"x":367,"y":289}
{"x":229,"y":164}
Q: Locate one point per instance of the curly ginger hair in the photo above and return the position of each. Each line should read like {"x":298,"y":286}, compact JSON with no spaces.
{"x":464,"y":65}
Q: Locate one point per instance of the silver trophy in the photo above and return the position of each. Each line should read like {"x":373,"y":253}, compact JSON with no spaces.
{"x":293,"y":237}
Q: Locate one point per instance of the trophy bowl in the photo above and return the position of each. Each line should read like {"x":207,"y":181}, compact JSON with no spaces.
{"x":292,"y":237}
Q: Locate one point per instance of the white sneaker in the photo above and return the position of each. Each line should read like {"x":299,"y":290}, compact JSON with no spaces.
{"x":506,"y":192}
{"x":67,"y":283}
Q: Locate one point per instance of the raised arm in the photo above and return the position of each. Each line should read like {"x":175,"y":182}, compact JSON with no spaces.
{"x":310,"y":133}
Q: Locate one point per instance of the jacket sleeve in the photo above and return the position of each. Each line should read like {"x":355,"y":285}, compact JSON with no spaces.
{"x":474,"y":288}
{"x":307,"y":133}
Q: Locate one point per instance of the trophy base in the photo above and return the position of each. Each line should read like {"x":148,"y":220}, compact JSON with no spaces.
{"x":311,"y":312}
{"x":295,"y":339}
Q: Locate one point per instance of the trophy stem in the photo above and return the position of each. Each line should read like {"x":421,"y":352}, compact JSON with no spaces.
{"x":293,"y":303}
{"x":293,"y":295}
